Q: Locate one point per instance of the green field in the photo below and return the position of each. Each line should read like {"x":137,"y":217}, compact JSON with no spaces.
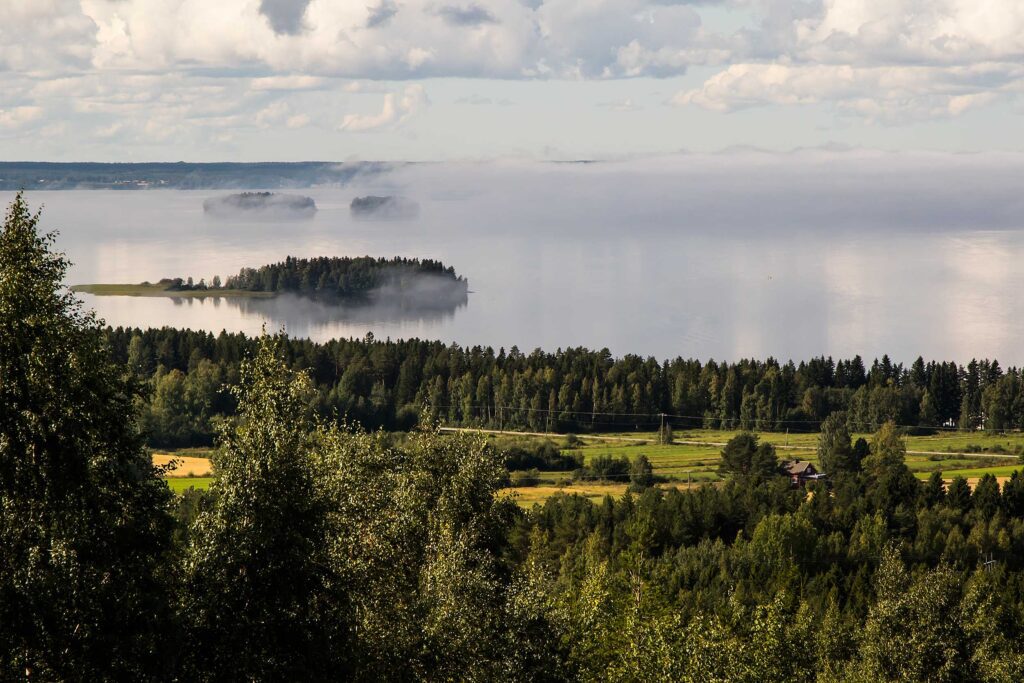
{"x":181,"y":484}
{"x":976,"y":472}
{"x":146,"y":289}
{"x":951,"y":453}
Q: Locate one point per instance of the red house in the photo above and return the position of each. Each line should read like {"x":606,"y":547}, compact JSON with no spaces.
{"x":800,"y":471}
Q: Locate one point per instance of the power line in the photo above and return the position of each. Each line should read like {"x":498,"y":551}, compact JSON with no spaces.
{"x":659,"y":415}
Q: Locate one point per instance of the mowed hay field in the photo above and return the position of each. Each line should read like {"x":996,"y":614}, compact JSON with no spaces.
{"x":186,"y":466}
{"x":194,"y":469}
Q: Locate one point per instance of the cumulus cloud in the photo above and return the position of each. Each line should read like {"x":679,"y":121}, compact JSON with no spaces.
{"x":218,"y":64}
{"x":893,"y":60}
{"x":280,"y":113}
{"x":396,"y":110}
{"x":381,"y":14}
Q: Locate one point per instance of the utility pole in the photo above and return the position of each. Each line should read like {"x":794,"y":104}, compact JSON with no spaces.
{"x":661,"y":432}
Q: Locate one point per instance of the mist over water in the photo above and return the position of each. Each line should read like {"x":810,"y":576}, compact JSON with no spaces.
{"x":723,"y":256}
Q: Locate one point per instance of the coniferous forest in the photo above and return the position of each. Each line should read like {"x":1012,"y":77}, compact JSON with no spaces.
{"x":389,"y":384}
{"x":326,"y":551}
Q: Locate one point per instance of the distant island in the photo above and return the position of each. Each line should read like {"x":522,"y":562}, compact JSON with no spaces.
{"x":406,"y":281}
{"x":272,"y":203}
{"x":387,"y":207}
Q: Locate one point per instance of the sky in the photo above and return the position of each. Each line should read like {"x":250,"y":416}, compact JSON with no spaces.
{"x":250,"y":80}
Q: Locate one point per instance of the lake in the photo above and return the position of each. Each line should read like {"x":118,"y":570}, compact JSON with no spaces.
{"x":728,"y":256}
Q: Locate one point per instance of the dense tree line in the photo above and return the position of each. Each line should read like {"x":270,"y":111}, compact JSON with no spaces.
{"x":323,"y":552}
{"x":390,"y":383}
{"x":343,"y":276}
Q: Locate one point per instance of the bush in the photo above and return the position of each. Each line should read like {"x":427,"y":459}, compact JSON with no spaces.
{"x":604,"y":468}
{"x":544,"y":456}
{"x":522,"y":478}
{"x":573,"y":441}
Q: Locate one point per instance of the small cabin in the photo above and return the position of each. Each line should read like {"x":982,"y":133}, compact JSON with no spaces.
{"x":800,"y":471}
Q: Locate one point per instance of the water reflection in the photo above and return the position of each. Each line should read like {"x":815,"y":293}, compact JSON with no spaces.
{"x":696,"y":258}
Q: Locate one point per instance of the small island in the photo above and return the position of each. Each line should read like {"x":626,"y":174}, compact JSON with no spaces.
{"x":388,"y":207}
{"x":261,"y":203}
{"x":423,"y":283}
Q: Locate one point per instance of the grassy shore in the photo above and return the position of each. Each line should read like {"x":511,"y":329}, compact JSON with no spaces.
{"x":147,"y":289}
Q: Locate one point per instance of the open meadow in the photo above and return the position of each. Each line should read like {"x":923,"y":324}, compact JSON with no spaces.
{"x":694,"y":459}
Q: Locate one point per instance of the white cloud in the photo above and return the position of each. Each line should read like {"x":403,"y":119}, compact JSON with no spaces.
{"x":887,"y":93}
{"x":396,"y":110}
{"x":17,"y":117}
{"x":893,"y":60}
{"x":289,"y":82}
{"x":196,"y":64}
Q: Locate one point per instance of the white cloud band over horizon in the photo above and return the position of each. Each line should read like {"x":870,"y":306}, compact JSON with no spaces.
{"x":548,"y":78}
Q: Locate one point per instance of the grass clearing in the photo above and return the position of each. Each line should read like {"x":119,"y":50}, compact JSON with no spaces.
{"x":696,"y":455}
{"x":181,"y":484}
{"x":594,"y":492}
{"x":1003,"y":471}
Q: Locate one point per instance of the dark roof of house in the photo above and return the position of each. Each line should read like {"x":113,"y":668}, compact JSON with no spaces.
{"x":797,"y":466}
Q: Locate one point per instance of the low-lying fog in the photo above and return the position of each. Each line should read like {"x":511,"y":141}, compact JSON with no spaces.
{"x":730,"y":255}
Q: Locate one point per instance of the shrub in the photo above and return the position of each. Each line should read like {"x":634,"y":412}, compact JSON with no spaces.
{"x":522,"y":478}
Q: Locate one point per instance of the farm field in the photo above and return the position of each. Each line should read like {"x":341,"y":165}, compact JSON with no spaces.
{"x":188,"y":465}
{"x":695,"y":456}
{"x":683,"y":462}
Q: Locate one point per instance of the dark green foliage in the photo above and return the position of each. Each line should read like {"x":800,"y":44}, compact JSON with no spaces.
{"x":935,"y":490}
{"x":959,"y":495}
{"x":342,"y":276}
{"x":641,"y":474}
{"x":604,"y":468}
{"x":544,"y":456}
{"x":835,"y":447}
{"x":83,"y":516}
{"x":260,"y":597}
{"x":391,"y":383}
{"x":744,"y":456}
{"x":985,"y":497}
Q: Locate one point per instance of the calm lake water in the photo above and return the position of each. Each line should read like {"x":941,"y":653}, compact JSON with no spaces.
{"x":700,"y":258}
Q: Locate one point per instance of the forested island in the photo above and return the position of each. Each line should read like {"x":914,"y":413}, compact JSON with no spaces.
{"x":363,"y":279}
{"x":388,"y":207}
{"x":261,"y":203}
